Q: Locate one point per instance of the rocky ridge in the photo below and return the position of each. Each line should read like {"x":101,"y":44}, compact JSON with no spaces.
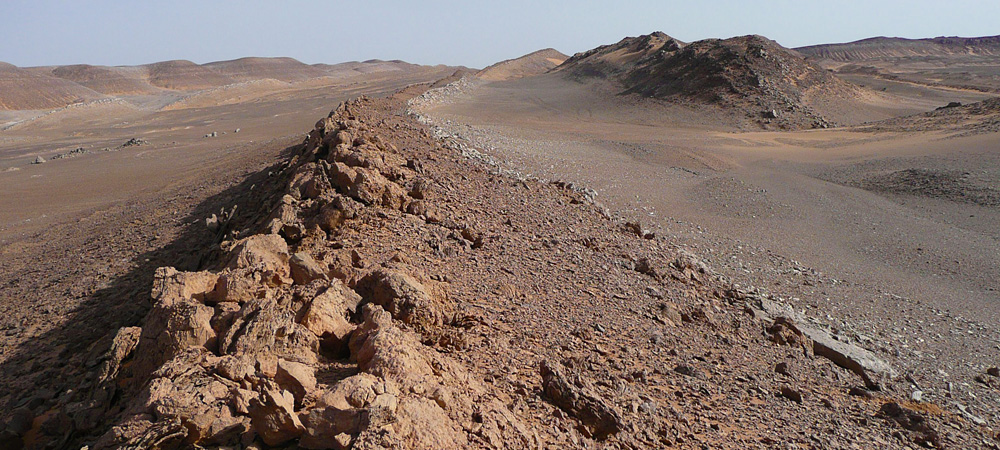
{"x":394,"y":295}
{"x":765,"y":82}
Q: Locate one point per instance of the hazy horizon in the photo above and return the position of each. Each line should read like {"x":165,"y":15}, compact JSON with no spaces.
{"x":105,"y":32}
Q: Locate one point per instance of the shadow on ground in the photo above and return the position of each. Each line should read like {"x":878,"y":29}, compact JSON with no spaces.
{"x":55,"y":373}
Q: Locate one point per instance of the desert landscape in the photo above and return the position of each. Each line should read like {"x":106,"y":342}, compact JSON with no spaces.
{"x":654,"y":243}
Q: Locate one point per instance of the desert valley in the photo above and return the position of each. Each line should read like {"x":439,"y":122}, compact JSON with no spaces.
{"x":723,"y":243}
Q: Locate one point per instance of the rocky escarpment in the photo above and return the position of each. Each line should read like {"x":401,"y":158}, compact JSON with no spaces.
{"x":751,"y":75}
{"x":889,"y":48}
{"x":393,"y":294}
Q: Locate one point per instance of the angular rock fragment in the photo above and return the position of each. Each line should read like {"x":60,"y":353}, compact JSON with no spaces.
{"x":406,"y":298}
{"x":297,"y":378}
{"x":327,"y":314}
{"x":322,"y":426}
{"x":273,"y":417}
{"x":574,"y":396}
{"x":305,"y":269}
{"x":920,"y":430}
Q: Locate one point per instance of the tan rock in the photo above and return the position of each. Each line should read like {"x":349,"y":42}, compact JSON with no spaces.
{"x":273,"y":417}
{"x":264,"y":254}
{"x":406,"y":298}
{"x":304,"y":268}
{"x":171,"y":286}
{"x":384,"y":350}
{"x":357,"y":391}
{"x":263,"y":328}
{"x":297,"y":378}
{"x":326,"y":316}
{"x":324,"y":425}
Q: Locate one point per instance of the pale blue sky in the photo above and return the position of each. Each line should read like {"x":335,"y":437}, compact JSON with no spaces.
{"x":471,"y":33}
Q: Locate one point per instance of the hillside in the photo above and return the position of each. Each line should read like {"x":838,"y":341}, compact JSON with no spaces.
{"x":21,"y":89}
{"x":113,"y":81}
{"x":168,"y":82}
{"x":956,"y":119}
{"x":182,"y":75}
{"x":750,"y":76}
{"x":616,"y":59}
{"x":534,"y":63}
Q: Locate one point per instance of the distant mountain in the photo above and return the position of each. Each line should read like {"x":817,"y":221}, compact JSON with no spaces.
{"x":882,"y":48}
{"x":283,"y":69}
{"x":183,"y":75}
{"x":53,"y":87}
{"x":534,"y":63}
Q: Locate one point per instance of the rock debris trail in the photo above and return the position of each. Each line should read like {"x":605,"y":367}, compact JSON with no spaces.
{"x":390,"y":293}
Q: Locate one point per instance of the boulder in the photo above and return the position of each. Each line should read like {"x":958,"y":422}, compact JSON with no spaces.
{"x":264,"y":328}
{"x":265,"y":255}
{"x":273,"y":417}
{"x":305,"y":269}
{"x":406,"y":298}
{"x":326,"y":316}
{"x":297,"y":378}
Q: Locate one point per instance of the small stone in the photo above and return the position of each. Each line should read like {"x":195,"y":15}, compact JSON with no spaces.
{"x":791,"y":394}
{"x":783,"y":369}
{"x":993,"y":371}
{"x":859,"y":392}
{"x":917,"y":396}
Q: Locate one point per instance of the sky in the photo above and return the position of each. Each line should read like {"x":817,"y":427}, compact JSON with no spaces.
{"x":470,"y":33}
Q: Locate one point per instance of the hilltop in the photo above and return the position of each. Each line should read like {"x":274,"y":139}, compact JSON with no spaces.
{"x":283,"y":69}
{"x":533,"y":63}
{"x":749,"y":75}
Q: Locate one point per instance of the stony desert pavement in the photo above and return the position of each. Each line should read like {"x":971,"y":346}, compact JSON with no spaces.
{"x":526,"y":259}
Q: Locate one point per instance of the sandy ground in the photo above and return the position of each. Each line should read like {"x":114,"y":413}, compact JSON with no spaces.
{"x":912,"y":276}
